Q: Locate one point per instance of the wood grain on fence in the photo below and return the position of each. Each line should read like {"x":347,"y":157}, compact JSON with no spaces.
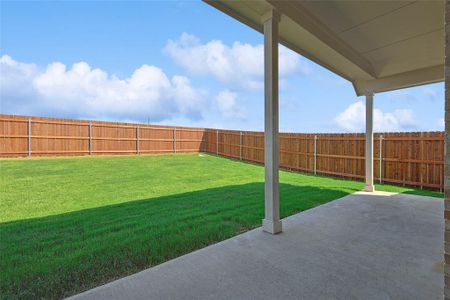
{"x":407,"y":158}
{"x":55,"y":137}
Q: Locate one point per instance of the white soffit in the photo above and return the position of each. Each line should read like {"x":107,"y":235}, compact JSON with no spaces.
{"x":377,"y":45}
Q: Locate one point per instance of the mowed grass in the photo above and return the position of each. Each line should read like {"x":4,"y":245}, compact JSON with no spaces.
{"x":70,"y":224}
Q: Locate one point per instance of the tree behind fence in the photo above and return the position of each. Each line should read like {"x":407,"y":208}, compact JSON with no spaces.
{"x":413,"y":158}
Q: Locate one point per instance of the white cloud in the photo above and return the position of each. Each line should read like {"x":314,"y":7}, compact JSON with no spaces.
{"x":427,"y":93}
{"x":432,"y":94}
{"x":352,"y":119}
{"x":81,"y":91}
{"x":226,"y":103}
{"x":240,"y":63}
{"x":401,"y":95}
{"x":15,"y":82}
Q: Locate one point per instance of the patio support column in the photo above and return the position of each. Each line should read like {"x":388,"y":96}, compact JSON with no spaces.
{"x":369,"y":143}
{"x":447,"y":156}
{"x":271,"y":222}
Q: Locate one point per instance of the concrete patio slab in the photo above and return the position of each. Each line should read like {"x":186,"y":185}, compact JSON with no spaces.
{"x":363,"y":246}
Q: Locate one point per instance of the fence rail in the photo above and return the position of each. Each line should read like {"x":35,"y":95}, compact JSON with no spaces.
{"x":413,"y":158}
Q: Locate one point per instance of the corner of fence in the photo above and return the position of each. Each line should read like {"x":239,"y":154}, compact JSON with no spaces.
{"x":138,"y":150}
{"x":240,"y":145}
{"x":315,"y":154}
{"x":90,"y":138}
{"x":217,"y":141}
{"x":174,"y":140}
{"x":381,"y":159}
{"x":29,"y":138}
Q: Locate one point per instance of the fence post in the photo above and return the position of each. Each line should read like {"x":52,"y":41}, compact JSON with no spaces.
{"x":217,"y":142}
{"x":175,"y":140}
{"x":137,"y":140}
{"x":29,"y":137}
{"x":421,"y":160}
{"x":315,"y":154}
{"x":381,"y":158}
{"x":90,"y":138}
{"x":442,"y":173}
{"x":240,"y":146}
{"x":205,"y":142}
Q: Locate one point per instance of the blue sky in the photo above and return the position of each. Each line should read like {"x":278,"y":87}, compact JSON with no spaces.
{"x":177,"y":63}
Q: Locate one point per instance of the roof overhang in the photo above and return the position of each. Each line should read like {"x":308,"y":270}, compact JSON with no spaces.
{"x":377,"y":45}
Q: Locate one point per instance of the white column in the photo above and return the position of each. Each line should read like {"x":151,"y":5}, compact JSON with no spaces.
{"x":369,"y":144}
{"x":271,"y":222}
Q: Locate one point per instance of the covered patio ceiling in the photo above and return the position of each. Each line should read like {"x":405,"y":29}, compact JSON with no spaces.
{"x":377,"y":45}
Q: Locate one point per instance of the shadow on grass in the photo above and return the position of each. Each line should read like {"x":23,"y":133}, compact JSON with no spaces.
{"x":60,"y":255}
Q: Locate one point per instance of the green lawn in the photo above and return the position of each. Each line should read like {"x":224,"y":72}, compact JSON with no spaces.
{"x":70,"y":224}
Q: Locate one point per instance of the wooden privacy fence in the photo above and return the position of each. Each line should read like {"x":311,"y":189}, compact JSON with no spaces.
{"x":35,"y":136}
{"x":407,"y":158}
{"x":413,"y":158}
